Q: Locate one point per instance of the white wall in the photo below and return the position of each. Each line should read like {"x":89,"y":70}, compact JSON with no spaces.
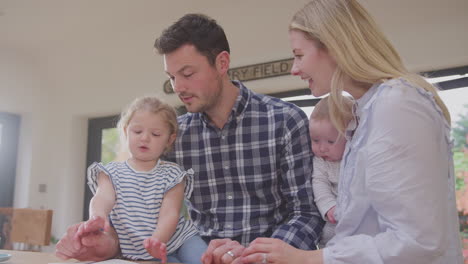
{"x":62,"y":62}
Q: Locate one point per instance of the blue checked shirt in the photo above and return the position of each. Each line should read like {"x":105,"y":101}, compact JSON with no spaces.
{"x":253,"y":177}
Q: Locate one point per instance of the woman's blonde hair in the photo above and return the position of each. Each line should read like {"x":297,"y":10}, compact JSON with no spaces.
{"x":153,"y":105}
{"x":362,"y":52}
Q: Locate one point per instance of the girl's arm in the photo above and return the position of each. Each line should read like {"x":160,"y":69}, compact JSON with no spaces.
{"x":103,"y":201}
{"x":169,"y":213}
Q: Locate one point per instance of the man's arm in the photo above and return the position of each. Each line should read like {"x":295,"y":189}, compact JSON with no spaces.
{"x":304,"y":224}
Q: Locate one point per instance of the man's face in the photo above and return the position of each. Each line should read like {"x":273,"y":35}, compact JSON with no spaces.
{"x":197,"y":83}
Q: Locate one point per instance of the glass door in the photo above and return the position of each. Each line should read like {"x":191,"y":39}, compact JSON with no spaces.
{"x":9,"y":131}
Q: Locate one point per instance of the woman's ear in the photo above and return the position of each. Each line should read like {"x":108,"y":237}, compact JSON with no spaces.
{"x":222,"y":62}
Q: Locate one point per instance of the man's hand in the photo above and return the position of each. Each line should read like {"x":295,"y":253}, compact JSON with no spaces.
{"x":222,"y":251}
{"x":87,"y":241}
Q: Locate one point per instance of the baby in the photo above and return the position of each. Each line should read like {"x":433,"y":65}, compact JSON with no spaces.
{"x":328,"y":145}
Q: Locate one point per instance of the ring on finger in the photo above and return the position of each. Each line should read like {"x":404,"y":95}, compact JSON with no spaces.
{"x":231,"y":254}
{"x":264,"y":258}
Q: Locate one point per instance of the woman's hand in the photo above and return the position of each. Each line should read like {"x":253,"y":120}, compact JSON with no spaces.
{"x":272,"y":250}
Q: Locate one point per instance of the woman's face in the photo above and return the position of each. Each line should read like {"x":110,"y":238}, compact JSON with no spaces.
{"x":312,"y":63}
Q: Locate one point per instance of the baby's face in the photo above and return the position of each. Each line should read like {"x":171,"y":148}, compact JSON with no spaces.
{"x":325,"y":141}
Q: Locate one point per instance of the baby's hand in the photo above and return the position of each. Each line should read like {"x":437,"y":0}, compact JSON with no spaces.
{"x":156,"y":248}
{"x":331,"y":215}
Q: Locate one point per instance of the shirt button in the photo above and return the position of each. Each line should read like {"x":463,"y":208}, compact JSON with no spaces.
{"x":226,"y":167}
{"x":229,"y":226}
{"x":229,"y":197}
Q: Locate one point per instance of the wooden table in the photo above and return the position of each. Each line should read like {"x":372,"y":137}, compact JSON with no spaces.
{"x":27,"y":257}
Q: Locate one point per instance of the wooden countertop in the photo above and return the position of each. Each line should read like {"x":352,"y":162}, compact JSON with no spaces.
{"x":27,"y":257}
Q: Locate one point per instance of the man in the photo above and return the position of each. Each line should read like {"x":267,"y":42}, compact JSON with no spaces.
{"x":250,"y":153}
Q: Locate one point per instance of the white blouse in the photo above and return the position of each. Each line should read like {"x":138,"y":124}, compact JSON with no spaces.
{"x":396,"y":197}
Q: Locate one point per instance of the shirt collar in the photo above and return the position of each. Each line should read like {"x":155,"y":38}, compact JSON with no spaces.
{"x":240,"y":105}
{"x":242,"y":99}
{"x":364,"y":101}
{"x":358,"y":107}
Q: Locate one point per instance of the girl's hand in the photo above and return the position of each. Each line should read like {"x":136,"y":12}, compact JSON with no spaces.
{"x":272,"y":250}
{"x":156,"y":248}
{"x":331,"y":215}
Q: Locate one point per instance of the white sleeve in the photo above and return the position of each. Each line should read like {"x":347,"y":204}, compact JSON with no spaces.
{"x":323,"y":195}
{"x":406,"y":180}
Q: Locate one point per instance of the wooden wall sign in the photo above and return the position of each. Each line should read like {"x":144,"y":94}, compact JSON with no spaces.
{"x":252,"y":72}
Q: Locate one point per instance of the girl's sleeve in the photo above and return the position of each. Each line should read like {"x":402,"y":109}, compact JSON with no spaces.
{"x":92,"y":175}
{"x":178,"y":175}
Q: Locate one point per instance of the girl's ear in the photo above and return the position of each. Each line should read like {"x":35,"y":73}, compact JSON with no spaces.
{"x":125,"y":131}
{"x":172,"y":138}
{"x":170,"y":143}
{"x":222,"y":62}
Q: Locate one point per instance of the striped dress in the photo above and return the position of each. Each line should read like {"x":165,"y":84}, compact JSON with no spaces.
{"x":139,"y":197}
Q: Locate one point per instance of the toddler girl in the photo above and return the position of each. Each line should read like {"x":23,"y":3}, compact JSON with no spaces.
{"x":143,"y":196}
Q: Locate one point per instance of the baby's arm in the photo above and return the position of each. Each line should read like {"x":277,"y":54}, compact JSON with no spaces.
{"x":167,"y":222}
{"x":103,"y":201}
{"x":322,"y":187}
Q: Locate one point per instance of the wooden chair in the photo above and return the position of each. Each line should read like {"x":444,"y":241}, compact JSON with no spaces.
{"x":31,"y":227}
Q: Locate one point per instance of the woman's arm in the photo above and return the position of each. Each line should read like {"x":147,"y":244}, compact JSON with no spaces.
{"x":276,"y":251}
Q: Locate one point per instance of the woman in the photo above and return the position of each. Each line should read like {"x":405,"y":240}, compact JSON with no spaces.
{"x":396,"y":194}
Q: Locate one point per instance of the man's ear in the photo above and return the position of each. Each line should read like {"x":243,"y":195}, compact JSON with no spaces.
{"x":222,"y":62}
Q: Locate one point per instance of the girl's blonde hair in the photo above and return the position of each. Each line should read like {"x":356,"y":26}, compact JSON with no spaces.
{"x":362,"y":52}
{"x":322,"y":111}
{"x":153,"y":105}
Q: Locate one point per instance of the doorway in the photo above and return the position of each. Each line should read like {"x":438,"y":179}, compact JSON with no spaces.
{"x":9,"y":131}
